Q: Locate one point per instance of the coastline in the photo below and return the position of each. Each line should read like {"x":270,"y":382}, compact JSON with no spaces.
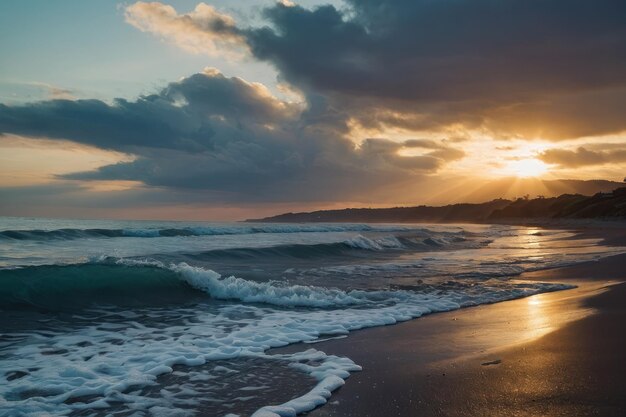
{"x":551,"y":354}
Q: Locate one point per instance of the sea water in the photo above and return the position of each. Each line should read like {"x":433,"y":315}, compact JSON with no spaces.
{"x":133,"y":318}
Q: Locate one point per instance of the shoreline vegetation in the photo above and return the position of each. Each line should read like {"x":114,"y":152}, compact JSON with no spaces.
{"x":600,"y":206}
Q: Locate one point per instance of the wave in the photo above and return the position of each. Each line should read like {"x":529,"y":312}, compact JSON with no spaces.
{"x":132,"y":282}
{"x":353,"y":246}
{"x":270,"y":292}
{"x":233,"y":288}
{"x":357,"y":246}
{"x":51,"y":375}
{"x":361,"y":242}
{"x":58,"y":376}
{"x":56,"y":287}
{"x":59,"y":234}
{"x":70,"y":234}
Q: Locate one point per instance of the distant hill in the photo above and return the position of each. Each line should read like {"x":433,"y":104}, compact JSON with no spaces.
{"x":601,"y":205}
{"x":449,"y":213}
{"x":512,"y":188}
{"x":567,"y":206}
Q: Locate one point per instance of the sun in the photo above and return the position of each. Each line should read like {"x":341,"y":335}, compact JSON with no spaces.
{"x":526,"y":168}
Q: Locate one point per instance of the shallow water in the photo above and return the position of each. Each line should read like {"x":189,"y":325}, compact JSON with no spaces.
{"x":172,"y":318}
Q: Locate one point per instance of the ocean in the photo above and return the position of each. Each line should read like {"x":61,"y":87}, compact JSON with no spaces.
{"x":144,"y":318}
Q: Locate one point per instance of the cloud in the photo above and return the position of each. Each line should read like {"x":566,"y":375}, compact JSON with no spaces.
{"x":202,"y":31}
{"x":55,"y":92}
{"x":582,"y":157}
{"x":462,"y":71}
{"x":420,"y":49}
{"x":231,"y":139}
{"x":552,"y":69}
{"x":173,"y":119}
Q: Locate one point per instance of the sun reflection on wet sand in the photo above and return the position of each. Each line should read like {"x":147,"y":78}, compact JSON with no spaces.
{"x":539,"y":322}
{"x":543,"y":313}
{"x":515,"y":322}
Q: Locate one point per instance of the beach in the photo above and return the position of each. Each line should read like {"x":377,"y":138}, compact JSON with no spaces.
{"x":358,"y":208}
{"x":553,"y":354}
{"x":221,"y":319}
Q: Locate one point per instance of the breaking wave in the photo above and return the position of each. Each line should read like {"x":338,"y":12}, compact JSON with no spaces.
{"x":132,"y":282}
{"x":69,"y":234}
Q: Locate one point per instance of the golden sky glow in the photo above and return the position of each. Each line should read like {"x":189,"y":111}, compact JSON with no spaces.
{"x":525,"y":168}
{"x":29,"y":161}
{"x":217,"y":105}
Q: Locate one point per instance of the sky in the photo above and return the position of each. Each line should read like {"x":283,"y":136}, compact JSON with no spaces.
{"x":225,"y":110}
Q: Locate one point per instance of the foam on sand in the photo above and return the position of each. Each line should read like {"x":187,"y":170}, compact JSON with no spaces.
{"x":153,"y":327}
{"x":98,"y":366}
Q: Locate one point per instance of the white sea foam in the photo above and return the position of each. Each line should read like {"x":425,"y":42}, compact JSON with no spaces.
{"x":330,"y":376}
{"x":141,"y":232}
{"x":280,"y":294}
{"x":61,"y":366}
{"x":233,"y":288}
{"x":361,"y":242}
{"x":102,"y":362}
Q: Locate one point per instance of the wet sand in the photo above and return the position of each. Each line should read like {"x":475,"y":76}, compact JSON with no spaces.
{"x":556,"y":354}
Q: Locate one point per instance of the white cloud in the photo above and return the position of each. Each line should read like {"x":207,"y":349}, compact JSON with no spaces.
{"x":202,"y":31}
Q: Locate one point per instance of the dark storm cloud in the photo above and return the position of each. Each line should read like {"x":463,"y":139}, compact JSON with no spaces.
{"x":584,"y":157}
{"x":118,"y":126}
{"x":230,"y":138}
{"x":173,"y":119}
{"x":553,"y":69}
{"x":459,"y":61}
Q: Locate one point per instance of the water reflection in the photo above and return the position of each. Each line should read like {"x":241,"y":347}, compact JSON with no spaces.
{"x":539,"y":322}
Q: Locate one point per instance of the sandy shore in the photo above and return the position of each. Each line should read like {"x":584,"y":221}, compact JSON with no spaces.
{"x":557,"y":354}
